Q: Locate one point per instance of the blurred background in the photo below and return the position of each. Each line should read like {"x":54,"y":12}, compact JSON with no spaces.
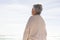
{"x":14,"y":15}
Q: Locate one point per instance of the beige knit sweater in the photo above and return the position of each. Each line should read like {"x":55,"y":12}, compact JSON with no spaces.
{"x":35,"y":29}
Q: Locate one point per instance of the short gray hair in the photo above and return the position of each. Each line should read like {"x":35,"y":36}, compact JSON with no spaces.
{"x":38,"y":8}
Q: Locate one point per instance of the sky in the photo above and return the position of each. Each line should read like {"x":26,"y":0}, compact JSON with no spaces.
{"x":14,"y":15}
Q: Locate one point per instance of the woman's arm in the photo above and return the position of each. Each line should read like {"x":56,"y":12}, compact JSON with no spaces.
{"x":27,"y":30}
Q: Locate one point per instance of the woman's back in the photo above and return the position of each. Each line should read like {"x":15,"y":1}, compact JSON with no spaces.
{"x":36,"y":28}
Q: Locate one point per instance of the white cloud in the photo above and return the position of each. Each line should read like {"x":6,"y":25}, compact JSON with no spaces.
{"x":13,"y":18}
{"x":53,"y":13}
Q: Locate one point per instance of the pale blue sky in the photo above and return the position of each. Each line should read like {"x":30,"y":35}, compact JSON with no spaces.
{"x":14,"y":15}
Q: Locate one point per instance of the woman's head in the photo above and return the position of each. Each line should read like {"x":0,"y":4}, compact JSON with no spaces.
{"x":36,"y":10}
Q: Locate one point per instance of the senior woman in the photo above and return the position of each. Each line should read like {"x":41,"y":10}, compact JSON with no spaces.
{"x":35,"y":28}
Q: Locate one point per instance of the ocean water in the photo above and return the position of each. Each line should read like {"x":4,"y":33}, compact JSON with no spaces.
{"x":16,"y":38}
{"x":53,"y":38}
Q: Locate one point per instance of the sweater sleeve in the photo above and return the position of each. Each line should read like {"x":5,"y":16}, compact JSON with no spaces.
{"x":27,"y":31}
{"x":31,"y":29}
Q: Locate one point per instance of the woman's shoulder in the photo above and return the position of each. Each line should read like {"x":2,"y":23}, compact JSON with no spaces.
{"x":36,"y":17}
